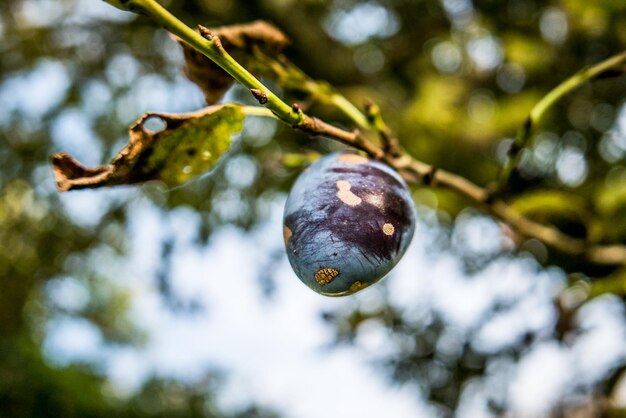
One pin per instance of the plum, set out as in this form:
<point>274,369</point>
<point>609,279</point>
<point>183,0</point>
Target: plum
<point>348,220</point>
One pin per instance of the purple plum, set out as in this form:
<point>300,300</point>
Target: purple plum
<point>348,220</point>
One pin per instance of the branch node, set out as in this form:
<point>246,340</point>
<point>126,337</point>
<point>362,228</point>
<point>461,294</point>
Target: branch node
<point>491,194</point>
<point>429,177</point>
<point>392,147</point>
<point>308,125</point>
<point>205,32</point>
<point>260,95</point>
<point>370,109</point>
<point>295,107</point>
<point>218,44</point>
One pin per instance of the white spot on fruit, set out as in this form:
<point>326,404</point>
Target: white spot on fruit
<point>345,195</point>
<point>375,200</point>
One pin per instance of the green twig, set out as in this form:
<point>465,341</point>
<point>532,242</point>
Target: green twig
<point>391,144</point>
<point>296,79</point>
<point>348,109</point>
<point>541,108</point>
<point>258,111</point>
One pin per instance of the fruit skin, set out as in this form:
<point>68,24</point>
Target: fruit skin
<point>348,220</point>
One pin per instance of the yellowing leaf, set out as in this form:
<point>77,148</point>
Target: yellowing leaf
<point>189,145</point>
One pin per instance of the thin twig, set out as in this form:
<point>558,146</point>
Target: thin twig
<point>390,142</point>
<point>419,171</point>
<point>356,139</point>
<point>539,110</point>
<point>549,235</point>
<point>425,173</point>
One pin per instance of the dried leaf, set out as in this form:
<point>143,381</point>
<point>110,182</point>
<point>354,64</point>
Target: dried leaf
<point>189,145</point>
<point>257,33</point>
<point>205,74</point>
<point>236,38</point>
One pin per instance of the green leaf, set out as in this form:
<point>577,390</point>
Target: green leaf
<point>193,147</point>
<point>189,145</point>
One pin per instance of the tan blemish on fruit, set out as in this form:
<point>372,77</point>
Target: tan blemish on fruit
<point>358,285</point>
<point>388,229</point>
<point>325,275</point>
<point>352,159</point>
<point>345,195</point>
<point>287,233</point>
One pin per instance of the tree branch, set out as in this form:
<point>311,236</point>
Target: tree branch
<point>412,169</point>
<point>416,171</point>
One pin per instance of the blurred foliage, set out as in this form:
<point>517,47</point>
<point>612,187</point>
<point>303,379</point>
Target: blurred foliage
<point>31,388</point>
<point>453,79</point>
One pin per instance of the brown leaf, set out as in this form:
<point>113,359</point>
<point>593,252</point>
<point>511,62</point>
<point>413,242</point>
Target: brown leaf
<point>237,40</point>
<point>257,33</point>
<point>70,174</point>
<point>189,145</point>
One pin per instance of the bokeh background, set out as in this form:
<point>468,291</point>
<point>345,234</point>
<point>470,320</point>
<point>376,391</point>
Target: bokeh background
<point>155,302</point>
